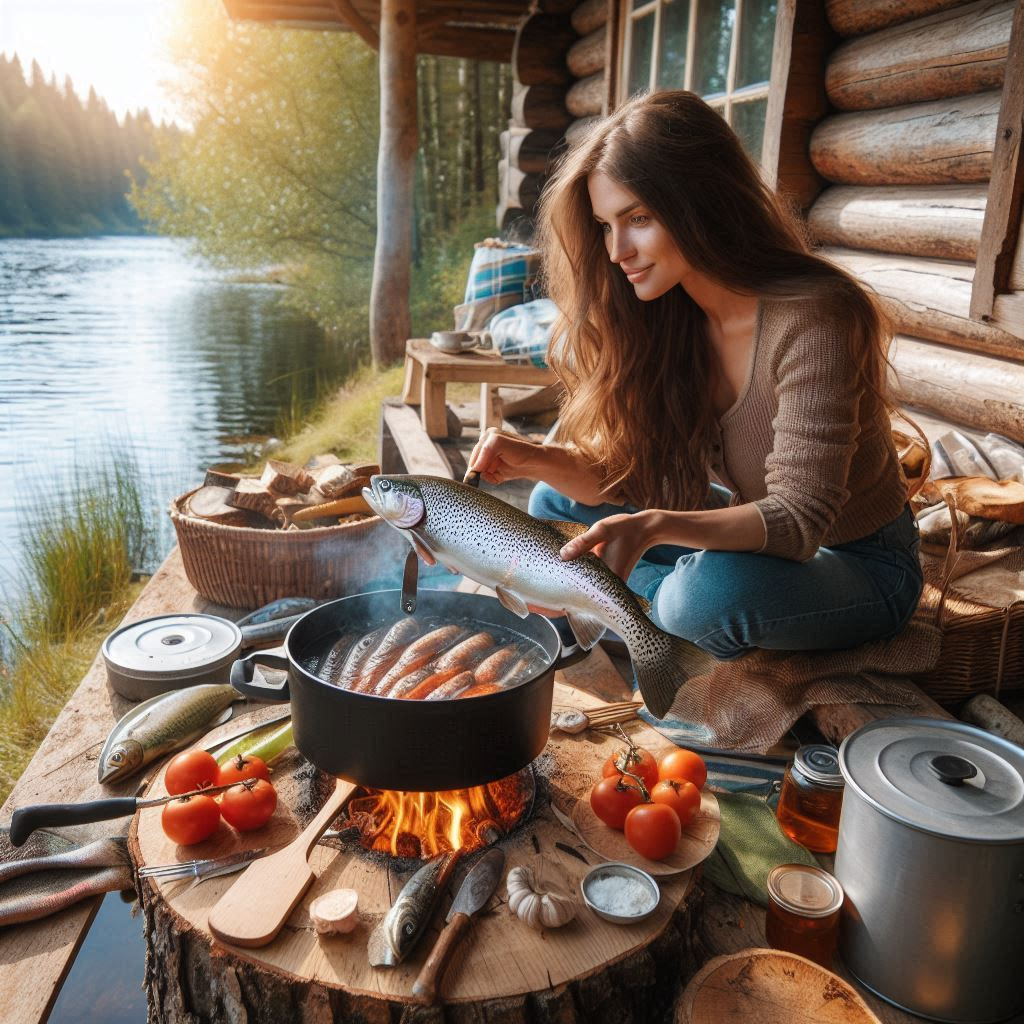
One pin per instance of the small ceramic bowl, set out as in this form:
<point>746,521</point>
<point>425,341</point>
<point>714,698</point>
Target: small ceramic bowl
<point>453,342</point>
<point>626,872</point>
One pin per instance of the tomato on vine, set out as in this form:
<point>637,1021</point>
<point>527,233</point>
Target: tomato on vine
<point>683,764</point>
<point>635,760</point>
<point>249,805</point>
<point>241,768</point>
<point>653,830</point>
<point>613,797</point>
<point>679,794</point>
<point>190,820</point>
<point>192,770</point>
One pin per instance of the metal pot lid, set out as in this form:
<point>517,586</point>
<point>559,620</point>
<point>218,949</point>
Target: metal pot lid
<point>938,776</point>
<point>180,645</point>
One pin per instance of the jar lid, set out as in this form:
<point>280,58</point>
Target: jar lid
<point>943,777</point>
<point>805,890</point>
<point>819,763</point>
<point>172,646</point>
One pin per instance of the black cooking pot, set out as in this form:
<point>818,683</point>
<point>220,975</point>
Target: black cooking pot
<point>409,745</point>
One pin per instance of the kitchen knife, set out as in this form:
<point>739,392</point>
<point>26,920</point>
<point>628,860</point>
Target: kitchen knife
<point>476,889</point>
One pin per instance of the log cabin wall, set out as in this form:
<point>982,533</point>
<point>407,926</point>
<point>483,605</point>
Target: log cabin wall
<point>906,158</point>
<point>560,67</point>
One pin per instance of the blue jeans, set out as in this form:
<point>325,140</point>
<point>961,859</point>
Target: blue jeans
<point>729,602</point>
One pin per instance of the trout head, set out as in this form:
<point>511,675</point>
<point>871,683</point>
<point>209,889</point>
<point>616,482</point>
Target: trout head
<point>397,500</point>
<point>124,759</point>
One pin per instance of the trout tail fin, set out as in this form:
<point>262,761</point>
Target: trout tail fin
<point>663,665</point>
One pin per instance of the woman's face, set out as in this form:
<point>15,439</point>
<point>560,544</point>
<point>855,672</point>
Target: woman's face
<point>637,243</point>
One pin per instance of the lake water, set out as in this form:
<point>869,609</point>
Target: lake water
<point>130,344</point>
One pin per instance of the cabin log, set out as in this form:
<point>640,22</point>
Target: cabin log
<point>944,142</point>
<point>520,188</point>
<point>928,298</point>
<point>538,57</point>
<point>528,150</point>
<point>540,106</point>
<point>580,127</point>
<point>586,97</point>
<point>857,17</point>
<point>1000,235</point>
<point>589,15</point>
<point>952,53</point>
<point>587,56</point>
<point>937,222</point>
<point>978,391</point>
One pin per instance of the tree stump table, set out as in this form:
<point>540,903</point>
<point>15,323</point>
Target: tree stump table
<point>502,971</point>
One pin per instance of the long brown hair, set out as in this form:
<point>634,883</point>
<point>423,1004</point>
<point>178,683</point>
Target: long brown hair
<point>637,374</point>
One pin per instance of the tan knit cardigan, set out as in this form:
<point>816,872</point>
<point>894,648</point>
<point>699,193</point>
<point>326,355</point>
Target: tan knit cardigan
<point>804,442</point>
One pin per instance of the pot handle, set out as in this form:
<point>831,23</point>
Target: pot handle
<point>243,675</point>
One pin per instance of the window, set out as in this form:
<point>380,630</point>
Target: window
<point>720,49</point>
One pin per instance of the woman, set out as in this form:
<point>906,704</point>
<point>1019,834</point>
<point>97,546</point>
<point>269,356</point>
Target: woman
<point>729,443</point>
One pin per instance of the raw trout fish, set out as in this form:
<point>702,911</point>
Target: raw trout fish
<point>494,543</point>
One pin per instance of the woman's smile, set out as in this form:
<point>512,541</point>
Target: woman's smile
<point>636,241</point>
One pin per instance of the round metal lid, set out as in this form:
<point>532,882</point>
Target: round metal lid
<point>942,777</point>
<point>819,763</point>
<point>172,645</point>
<point>805,890</point>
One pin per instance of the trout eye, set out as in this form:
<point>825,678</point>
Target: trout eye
<point>385,485</point>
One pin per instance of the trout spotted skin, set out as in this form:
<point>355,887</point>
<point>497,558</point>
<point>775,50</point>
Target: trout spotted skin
<point>471,532</point>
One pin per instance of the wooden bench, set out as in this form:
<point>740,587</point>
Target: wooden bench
<point>429,371</point>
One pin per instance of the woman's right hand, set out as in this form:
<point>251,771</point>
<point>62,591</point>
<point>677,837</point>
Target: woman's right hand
<point>500,457</point>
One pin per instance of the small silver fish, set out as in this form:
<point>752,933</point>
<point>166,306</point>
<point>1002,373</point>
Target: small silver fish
<point>161,724</point>
<point>386,653</point>
<point>494,543</point>
<point>35,887</point>
<point>281,608</point>
<point>393,939</point>
<point>356,658</point>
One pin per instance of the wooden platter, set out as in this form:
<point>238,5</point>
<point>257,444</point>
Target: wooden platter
<point>502,957</point>
<point>770,987</point>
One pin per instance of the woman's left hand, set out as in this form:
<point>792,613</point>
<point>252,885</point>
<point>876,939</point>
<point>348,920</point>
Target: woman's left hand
<point>618,540</point>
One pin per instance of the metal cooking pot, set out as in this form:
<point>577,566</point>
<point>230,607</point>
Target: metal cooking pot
<point>931,857</point>
<point>408,745</point>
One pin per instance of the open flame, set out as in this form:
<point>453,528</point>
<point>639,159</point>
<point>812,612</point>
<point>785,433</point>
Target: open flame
<point>421,825</point>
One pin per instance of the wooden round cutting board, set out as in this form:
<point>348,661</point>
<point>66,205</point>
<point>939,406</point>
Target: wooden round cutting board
<point>501,958</point>
<point>766,986</point>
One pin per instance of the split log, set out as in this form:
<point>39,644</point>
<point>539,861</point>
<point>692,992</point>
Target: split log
<point>979,391</point>
<point>542,43</point>
<point>939,143</point>
<point>579,128</point>
<point>540,106</point>
<point>587,55</point>
<point>586,97</point>
<point>856,17</point>
<point>214,505</point>
<point>254,495</point>
<point>940,222</point>
<point>528,150</point>
<point>589,15</point>
<point>284,478</point>
<point>952,53</point>
<point>928,299</point>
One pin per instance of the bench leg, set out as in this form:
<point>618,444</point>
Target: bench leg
<point>490,407</point>
<point>432,409</point>
<point>413,381</point>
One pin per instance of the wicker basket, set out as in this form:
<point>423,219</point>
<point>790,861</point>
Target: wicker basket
<point>981,617</point>
<point>244,567</point>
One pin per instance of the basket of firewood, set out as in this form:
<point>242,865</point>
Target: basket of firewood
<point>291,532</point>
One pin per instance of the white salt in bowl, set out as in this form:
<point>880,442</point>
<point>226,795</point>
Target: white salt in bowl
<point>620,893</point>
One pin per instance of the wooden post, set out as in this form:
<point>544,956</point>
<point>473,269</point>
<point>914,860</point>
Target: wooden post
<point>390,322</point>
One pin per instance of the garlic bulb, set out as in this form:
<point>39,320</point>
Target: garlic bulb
<point>538,907</point>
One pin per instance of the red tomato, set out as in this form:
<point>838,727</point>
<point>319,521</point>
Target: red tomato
<point>613,798</point>
<point>190,820</point>
<point>679,794</point>
<point>240,768</point>
<point>683,764</point>
<point>639,761</point>
<point>653,830</point>
<point>192,770</point>
<point>249,806</point>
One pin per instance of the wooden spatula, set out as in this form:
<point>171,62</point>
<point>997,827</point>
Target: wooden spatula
<point>255,908</point>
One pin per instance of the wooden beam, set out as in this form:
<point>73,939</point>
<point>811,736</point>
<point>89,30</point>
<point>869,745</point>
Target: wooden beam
<point>472,43</point>
<point>349,14</point>
<point>1000,233</point>
<point>857,17</point>
<point>390,320</point>
<point>611,57</point>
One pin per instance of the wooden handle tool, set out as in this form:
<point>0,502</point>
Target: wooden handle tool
<point>341,507</point>
<point>255,908</point>
<point>424,990</point>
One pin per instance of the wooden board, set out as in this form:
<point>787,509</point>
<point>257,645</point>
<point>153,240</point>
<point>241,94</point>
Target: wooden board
<point>770,987</point>
<point>505,958</point>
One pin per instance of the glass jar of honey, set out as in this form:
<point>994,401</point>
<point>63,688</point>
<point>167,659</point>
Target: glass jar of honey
<point>812,798</point>
<point>803,912</point>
